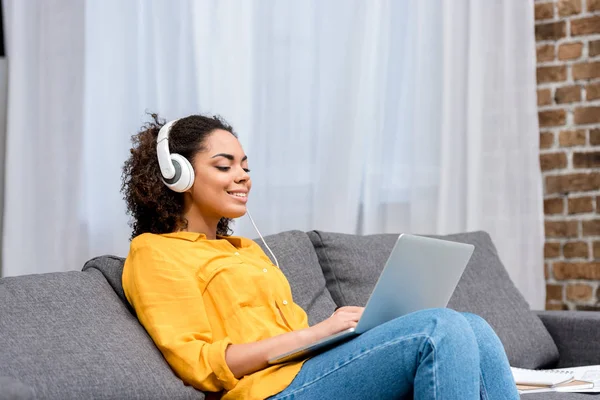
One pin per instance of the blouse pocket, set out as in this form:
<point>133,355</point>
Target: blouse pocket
<point>232,284</point>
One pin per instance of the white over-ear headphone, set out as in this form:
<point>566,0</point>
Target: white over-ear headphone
<point>176,170</point>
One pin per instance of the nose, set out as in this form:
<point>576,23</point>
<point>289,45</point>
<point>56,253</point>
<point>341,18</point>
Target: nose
<point>242,177</point>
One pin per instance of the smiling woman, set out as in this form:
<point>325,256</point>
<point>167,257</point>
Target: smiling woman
<point>218,309</point>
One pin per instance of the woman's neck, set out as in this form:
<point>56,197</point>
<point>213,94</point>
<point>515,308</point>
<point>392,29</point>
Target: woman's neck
<point>196,222</point>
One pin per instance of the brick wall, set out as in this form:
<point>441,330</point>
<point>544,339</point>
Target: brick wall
<point>567,33</point>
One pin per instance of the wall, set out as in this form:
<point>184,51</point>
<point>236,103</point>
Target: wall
<point>568,75</point>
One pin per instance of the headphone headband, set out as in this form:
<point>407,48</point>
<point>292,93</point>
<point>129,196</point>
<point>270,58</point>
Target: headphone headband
<point>167,169</point>
<point>177,172</point>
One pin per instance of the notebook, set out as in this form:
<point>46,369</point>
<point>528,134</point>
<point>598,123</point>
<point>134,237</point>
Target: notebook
<point>580,379</point>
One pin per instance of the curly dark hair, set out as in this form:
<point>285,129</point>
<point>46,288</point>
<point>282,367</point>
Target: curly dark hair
<point>154,207</point>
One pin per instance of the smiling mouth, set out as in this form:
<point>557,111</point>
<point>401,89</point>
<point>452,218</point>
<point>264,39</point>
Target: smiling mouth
<point>240,195</point>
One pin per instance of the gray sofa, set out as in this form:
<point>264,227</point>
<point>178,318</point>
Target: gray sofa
<point>72,335</point>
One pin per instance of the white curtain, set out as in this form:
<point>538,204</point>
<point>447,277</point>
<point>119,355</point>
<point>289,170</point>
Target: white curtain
<point>358,117</point>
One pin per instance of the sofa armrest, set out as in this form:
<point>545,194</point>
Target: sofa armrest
<point>576,335</point>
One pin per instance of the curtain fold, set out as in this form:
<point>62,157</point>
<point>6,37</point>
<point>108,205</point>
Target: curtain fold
<point>44,42</point>
<point>357,117</point>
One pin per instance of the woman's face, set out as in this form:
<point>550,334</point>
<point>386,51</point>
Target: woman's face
<point>222,184</point>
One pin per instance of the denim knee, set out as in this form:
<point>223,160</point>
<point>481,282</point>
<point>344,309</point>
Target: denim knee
<point>477,322</point>
<point>450,325</point>
<point>485,334</point>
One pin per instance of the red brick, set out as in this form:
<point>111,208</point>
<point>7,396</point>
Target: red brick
<point>570,51</point>
<point>586,70</point>
<point>595,137</point>
<point>592,92</point>
<point>593,5</point>
<point>585,26</point>
<point>576,270</point>
<point>554,292</point>
<point>579,205</point>
<point>579,292</point>
<point>546,140</point>
<point>551,250</point>
<point>550,31</point>
<point>575,250</point>
<point>596,249</point>
<point>568,94</point>
<point>551,161</point>
<point>551,74</point>
<point>556,306</point>
<point>545,52</point>
<point>594,47</point>
<point>587,159</point>
<point>552,118</point>
<point>580,182</point>
<point>544,11</point>
<point>569,7</point>
<point>546,271</point>
<point>571,138</point>
<point>553,206</point>
<point>564,229</point>
<point>591,227</point>
<point>544,97</point>
<point>587,115</point>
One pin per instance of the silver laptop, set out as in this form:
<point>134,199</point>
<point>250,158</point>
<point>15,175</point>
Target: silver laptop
<point>420,273</point>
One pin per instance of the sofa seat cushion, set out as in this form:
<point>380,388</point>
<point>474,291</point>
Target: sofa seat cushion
<point>68,336</point>
<point>352,264</point>
<point>297,259</point>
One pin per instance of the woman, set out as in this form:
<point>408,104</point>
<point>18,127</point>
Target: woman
<point>218,309</point>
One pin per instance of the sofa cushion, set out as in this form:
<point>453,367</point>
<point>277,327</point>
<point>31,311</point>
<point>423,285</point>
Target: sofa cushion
<point>112,269</point>
<point>352,264</point>
<point>299,262</point>
<point>67,336</point>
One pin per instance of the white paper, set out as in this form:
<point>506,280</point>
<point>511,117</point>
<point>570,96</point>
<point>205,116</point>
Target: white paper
<point>540,377</point>
<point>590,373</point>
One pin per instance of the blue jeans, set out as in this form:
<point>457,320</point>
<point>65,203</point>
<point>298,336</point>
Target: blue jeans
<point>431,354</point>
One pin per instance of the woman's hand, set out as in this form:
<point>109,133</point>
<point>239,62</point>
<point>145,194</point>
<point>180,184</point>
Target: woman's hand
<point>342,319</point>
<point>244,359</point>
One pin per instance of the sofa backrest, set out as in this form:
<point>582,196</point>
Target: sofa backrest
<point>352,264</point>
<point>67,336</point>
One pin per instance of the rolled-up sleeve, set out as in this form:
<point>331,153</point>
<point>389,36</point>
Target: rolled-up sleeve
<point>169,304</point>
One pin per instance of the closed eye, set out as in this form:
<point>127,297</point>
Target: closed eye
<point>228,168</point>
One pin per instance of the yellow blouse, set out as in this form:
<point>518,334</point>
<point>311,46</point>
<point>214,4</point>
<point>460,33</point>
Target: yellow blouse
<point>196,296</point>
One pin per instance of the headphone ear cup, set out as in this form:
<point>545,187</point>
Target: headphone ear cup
<point>184,174</point>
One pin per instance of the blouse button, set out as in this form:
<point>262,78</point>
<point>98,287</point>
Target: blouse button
<point>285,302</point>
<point>264,270</point>
<point>236,253</point>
